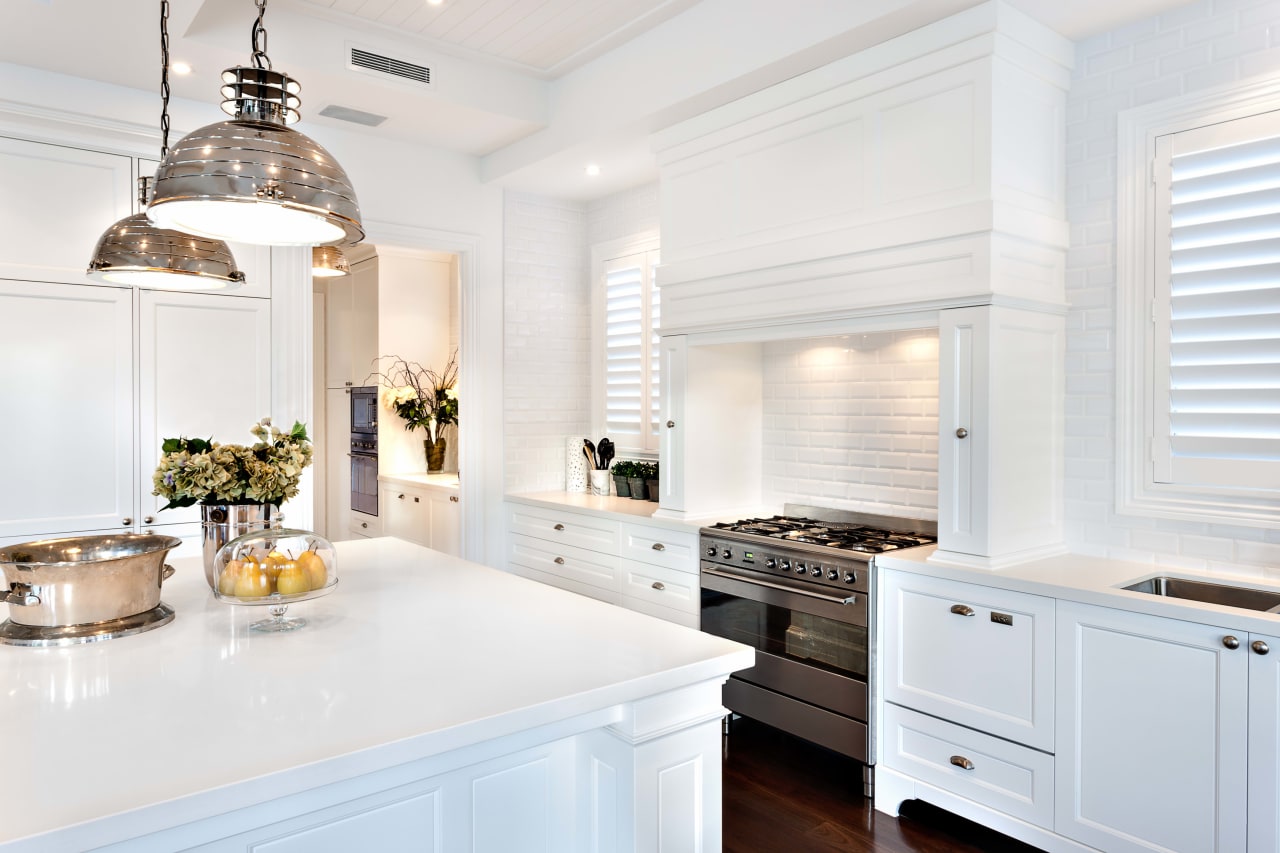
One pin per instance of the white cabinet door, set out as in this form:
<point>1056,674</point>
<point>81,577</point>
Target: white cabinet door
<point>446,521</point>
<point>671,426</point>
<point>1000,442</point>
<point>977,656</point>
<point>66,379</point>
<point>58,201</point>
<point>337,461</point>
<point>1264,744</point>
<point>1152,732</point>
<point>405,514</point>
<point>363,346</point>
<point>204,370</point>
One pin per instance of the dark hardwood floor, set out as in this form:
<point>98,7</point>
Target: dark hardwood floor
<point>785,794</point>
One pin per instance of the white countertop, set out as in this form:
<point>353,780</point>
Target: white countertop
<point>446,480</point>
<point>1097,580</point>
<point>624,509</point>
<point>414,653</point>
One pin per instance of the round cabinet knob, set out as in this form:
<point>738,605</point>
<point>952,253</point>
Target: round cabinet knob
<point>671,424</point>
<point>126,522</point>
<point>1230,642</point>
<point>149,520</point>
<point>1259,647</point>
<point>364,524</point>
<point>417,500</point>
<point>962,433</point>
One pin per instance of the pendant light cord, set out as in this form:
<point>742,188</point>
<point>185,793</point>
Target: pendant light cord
<point>164,78</point>
<point>259,38</point>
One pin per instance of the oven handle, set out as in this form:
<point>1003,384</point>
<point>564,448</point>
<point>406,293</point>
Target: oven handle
<point>830,599</point>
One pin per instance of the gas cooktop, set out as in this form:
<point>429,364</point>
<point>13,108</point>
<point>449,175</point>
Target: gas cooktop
<point>832,534</point>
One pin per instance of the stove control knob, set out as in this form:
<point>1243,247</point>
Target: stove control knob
<point>771,563</point>
<point>712,550</point>
<point>850,577</point>
<point>785,565</point>
<point>727,554</point>
<point>833,575</point>
<point>816,571</point>
<point>800,568</point>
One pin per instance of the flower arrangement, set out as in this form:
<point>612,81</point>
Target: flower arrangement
<point>196,469</point>
<point>424,398</point>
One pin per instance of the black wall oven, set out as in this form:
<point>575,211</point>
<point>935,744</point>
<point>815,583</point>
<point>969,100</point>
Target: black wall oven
<point>364,450</point>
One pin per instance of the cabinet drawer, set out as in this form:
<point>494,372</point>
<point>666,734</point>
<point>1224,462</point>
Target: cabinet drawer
<point>669,614</point>
<point>975,655</point>
<point>599,593</point>
<point>662,586</point>
<point>565,528</point>
<point>1010,778</point>
<point>565,561</point>
<point>364,524</point>
<point>660,546</point>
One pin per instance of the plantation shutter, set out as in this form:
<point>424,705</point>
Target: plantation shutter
<point>631,347</point>
<point>1216,310</point>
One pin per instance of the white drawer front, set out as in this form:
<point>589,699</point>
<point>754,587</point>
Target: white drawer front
<point>1010,778</point>
<point>664,587</point>
<point>579,564</point>
<point>564,528</point>
<point>599,593</point>
<point>670,614</point>
<point>364,524</point>
<point>660,546</point>
<point>975,655</point>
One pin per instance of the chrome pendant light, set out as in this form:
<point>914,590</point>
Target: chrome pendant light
<point>135,252</point>
<point>329,262</point>
<point>253,179</point>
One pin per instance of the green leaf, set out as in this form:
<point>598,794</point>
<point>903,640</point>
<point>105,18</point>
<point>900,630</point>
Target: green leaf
<point>171,445</point>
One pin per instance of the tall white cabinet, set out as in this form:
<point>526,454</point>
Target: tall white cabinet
<point>95,376</point>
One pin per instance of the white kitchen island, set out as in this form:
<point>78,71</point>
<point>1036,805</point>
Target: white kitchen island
<point>431,704</point>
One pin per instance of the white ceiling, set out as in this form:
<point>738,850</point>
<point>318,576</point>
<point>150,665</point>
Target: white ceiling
<point>505,73</point>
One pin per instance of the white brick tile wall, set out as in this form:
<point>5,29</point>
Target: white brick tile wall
<point>547,304</point>
<point>853,426</point>
<point>1193,47</point>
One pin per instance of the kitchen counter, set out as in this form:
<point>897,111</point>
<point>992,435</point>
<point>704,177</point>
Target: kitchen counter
<point>1096,580</point>
<point>418,670</point>
<point>446,480</point>
<point>608,507</point>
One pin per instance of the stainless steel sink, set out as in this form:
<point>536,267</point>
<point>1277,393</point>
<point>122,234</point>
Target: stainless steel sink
<point>1210,593</point>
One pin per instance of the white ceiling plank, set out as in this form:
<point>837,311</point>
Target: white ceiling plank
<point>398,10</point>
<point>486,12</point>
<point>543,24</point>
<point>561,39</point>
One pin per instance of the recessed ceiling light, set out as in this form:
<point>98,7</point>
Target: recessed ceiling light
<point>592,170</point>
<point>181,68</point>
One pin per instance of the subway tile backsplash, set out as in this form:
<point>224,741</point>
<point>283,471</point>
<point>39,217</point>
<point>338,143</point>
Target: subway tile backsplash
<point>852,422</point>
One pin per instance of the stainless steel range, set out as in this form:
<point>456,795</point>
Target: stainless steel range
<point>800,588</point>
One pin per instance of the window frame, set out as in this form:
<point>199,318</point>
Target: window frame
<point>601,254</point>
<point>1137,492</point>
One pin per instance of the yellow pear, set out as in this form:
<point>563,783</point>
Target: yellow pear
<point>292,579</point>
<point>230,575</point>
<point>313,563</point>
<point>253,582</point>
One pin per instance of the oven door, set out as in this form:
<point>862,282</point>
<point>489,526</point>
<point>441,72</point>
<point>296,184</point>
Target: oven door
<point>811,644</point>
<point>364,483</point>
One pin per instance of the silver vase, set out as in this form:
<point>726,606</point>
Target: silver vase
<point>220,523</point>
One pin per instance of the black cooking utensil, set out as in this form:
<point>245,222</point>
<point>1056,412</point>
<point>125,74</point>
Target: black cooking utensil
<point>605,451</point>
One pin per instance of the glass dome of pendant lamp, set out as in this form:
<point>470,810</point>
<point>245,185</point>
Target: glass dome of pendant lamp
<point>253,179</point>
<point>135,252</point>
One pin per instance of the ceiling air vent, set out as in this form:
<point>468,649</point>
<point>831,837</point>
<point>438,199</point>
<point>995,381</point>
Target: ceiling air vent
<point>370,61</point>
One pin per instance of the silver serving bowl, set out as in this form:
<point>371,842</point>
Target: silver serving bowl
<point>84,579</point>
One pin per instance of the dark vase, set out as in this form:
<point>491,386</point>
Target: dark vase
<point>435,454</point>
<point>637,488</point>
<point>652,486</point>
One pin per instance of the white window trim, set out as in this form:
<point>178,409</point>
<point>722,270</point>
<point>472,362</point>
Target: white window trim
<point>1136,491</point>
<point>647,241</point>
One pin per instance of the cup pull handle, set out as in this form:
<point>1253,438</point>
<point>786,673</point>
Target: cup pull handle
<point>658,546</point>
<point>559,561</point>
<point>962,762</point>
<point>659,586</point>
<point>962,610</point>
<point>558,527</point>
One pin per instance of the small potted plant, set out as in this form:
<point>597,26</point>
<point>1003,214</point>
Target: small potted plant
<point>621,471</point>
<point>651,480</point>
<point>635,480</point>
